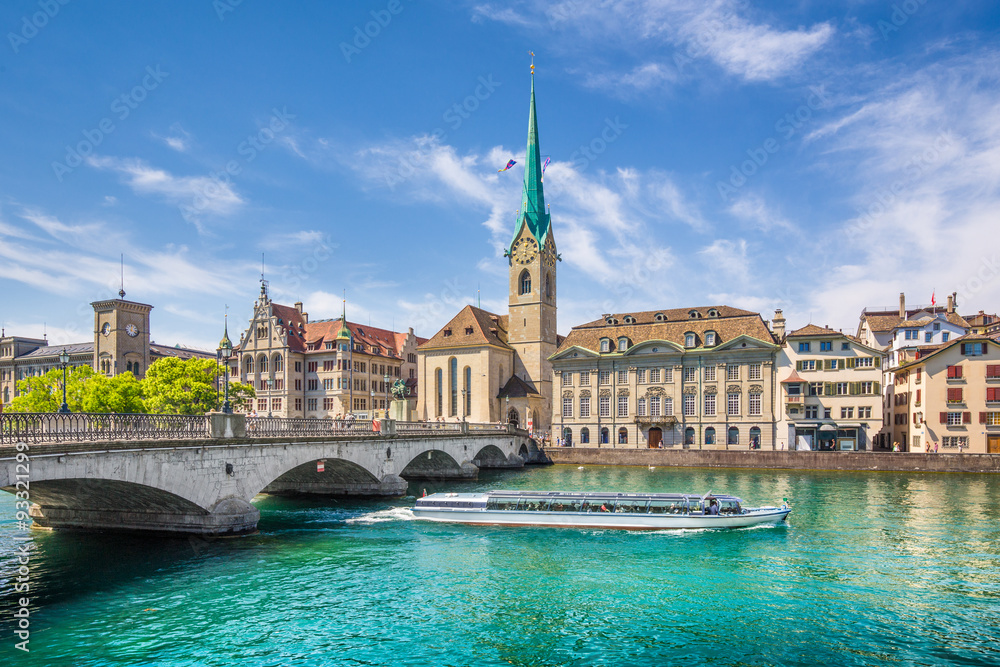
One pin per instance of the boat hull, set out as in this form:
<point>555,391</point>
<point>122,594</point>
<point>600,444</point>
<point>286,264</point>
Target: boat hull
<point>603,520</point>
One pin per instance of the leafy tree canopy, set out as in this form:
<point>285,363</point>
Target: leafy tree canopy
<point>43,393</point>
<point>121,393</point>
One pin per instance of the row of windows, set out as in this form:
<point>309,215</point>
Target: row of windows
<point>690,340</point>
<point>466,391</point>
<point>846,412</point>
<point>837,364</point>
<point>653,375</point>
<point>733,435</point>
<point>834,388</point>
<point>657,406</point>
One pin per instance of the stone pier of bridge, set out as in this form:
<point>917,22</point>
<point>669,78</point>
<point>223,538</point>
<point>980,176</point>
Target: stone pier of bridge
<point>205,486</point>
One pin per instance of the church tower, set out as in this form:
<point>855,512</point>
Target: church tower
<point>532,260</point>
<point>121,336</point>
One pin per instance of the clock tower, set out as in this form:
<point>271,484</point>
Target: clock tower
<point>532,265</point>
<point>121,336</point>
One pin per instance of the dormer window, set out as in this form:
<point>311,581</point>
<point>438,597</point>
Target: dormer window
<point>710,338</point>
<point>660,317</point>
<point>689,340</point>
<point>447,332</point>
<point>611,320</point>
<point>713,312</point>
<point>468,331</point>
<point>605,345</point>
<point>629,319</point>
<point>622,344</point>
<point>694,314</point>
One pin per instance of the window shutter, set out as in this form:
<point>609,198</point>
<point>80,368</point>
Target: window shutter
<point>951,371</point>
<point>829,389</point>
<point>854,389</point>
<point>963,348</point>
<point>992,394</point>
<point>798,365</point>
<point>829,364</point>
<point>982,417</point>
<point>878,388</point>
<point>944,417</point>
<point>914,417</point>
<point>878,362</point>
<point>966,417</point>
<point>958,371</point>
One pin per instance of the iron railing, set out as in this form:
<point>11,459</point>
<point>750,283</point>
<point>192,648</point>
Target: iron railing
<point>94,427</point>
<point>265,427</point>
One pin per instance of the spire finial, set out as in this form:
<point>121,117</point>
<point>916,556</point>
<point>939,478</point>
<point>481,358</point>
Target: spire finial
<point>121,291</point>
<point>532,54</point>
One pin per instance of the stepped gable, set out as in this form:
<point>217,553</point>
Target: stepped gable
<point>672,325</point>
<point>471,326</point>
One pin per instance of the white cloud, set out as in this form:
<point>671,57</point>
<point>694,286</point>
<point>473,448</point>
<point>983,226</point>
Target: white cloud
<point>199,193</point>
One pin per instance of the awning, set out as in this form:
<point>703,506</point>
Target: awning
<point>828,428</point>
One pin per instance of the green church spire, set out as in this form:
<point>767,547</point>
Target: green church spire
<point>533,211</point>
<point>344,333</point>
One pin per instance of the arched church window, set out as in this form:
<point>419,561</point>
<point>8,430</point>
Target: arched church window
<point>525,283</point>
<point>453,381</point>
<point>438,389</point>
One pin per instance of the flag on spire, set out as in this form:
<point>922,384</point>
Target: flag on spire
<point>544,165</point>
<point>510,163</point>
<point>933,300</point>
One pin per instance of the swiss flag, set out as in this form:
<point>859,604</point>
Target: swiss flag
<point>933,300</point>
<point>376,426</point>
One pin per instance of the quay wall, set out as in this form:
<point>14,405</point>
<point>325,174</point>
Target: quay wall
<point>790,460</point>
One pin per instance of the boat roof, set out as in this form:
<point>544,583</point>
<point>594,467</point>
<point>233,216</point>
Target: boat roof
<point>506,493</point>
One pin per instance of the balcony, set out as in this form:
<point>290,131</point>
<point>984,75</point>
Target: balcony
<point>794,400</point>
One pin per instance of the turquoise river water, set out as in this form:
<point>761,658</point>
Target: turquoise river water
<point>871,569</point>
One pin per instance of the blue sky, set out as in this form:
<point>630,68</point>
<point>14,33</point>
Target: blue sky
<point>812,156</point>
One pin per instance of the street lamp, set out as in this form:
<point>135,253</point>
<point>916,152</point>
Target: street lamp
<point>64,360</point>
<point>226,352</point>
<point>464,393</point>
<point>386,379</point>
<point>270,388</point>
<point>507,399</point>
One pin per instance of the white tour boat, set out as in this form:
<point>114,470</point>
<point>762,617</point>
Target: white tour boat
<point>628,511</point>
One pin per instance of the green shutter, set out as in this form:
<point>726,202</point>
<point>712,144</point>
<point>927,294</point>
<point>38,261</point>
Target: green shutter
<point>852,362</point>
<point>829,389</point>
<point>878,362</point>
<point>875,385</point>
<point>798,365</point>
<point>854,388</point>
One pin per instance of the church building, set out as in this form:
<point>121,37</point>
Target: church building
<point>486,367</point>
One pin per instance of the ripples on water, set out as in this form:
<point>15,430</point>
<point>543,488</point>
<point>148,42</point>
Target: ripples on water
<point>872,569</point>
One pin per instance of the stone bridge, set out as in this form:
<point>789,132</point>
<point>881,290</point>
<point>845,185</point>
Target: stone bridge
<point>114,474</point>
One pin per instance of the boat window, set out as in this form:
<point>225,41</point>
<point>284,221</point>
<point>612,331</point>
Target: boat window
<point>502,503</point>
<point>666,507</point>
<point>694,506</point>
<point>600,505</point>
<point>535,504</point>
<point>632,506</point>
<point>729,507</point>
<point>566,505</point>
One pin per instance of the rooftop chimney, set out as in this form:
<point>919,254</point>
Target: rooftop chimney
<point>298,306</point>
<point>951,303</point>
<point>778,324</point>
<point>902,306</point>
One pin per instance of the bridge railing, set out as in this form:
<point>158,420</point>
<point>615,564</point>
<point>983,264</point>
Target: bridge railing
<point>93,427</point>
<point>403,428</point>
<point>263,427</point>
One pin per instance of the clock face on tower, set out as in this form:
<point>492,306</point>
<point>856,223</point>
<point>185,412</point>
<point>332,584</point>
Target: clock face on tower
<point>106,329</point>
<point>132,330</point>
<point>524,251</point>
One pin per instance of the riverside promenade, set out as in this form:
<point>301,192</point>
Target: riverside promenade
<point>776,459</point>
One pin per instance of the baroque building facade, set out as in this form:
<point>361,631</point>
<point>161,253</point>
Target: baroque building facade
<point>320,369</point>
<point>686,377</point>
<point>485,366</point>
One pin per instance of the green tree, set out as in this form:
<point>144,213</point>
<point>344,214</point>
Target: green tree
<point>188,387</point>
<point>121,394</point>
<point>43,393</point>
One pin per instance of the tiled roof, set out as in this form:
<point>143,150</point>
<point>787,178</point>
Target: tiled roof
<point>517,388</point>
<point>793,378</point>
<point>883,321</point>
<point>471,326</point>
<point>302,334</point>
<point>156,351</point>
<point>54,350</point>
<point>731,323</point>
<point>814,330</point>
